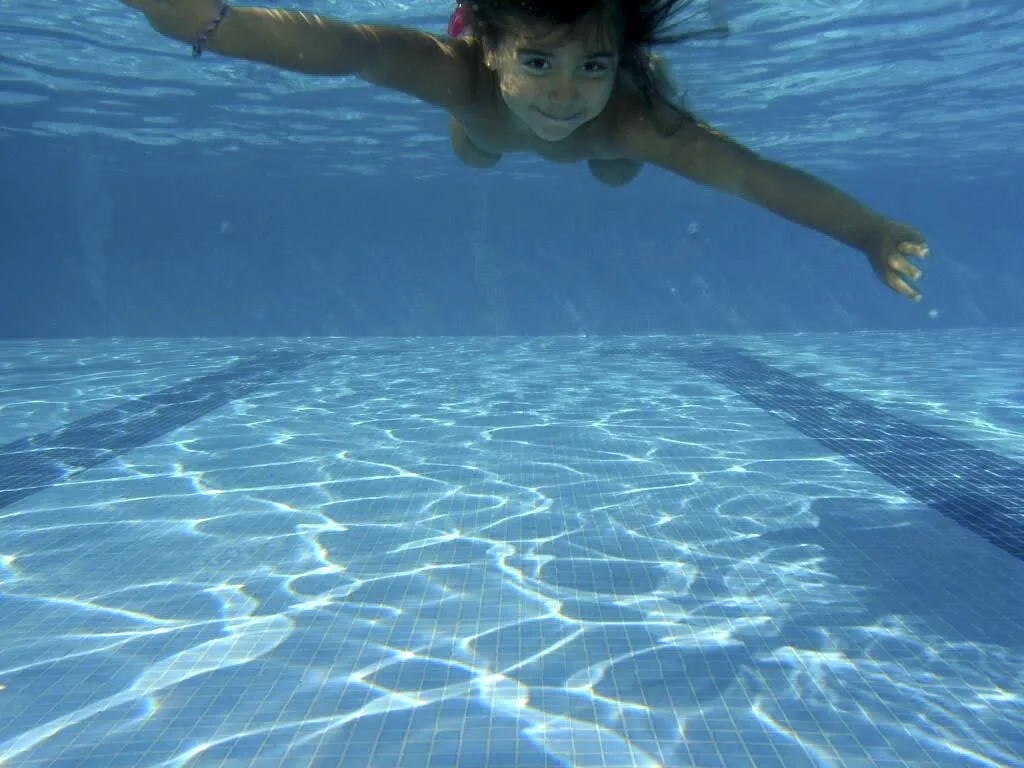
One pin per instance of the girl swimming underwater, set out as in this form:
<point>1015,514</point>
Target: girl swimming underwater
<point>568,80</point>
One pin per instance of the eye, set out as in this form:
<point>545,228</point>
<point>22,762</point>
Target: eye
<point>595,68</point>
<point>535,63</point>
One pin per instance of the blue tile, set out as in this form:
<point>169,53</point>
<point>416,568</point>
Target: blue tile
<point>979,489</point>
<point>31,464</point>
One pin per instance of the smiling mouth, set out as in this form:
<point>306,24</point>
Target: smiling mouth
<point>558,119</point>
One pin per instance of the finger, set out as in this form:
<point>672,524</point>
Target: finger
<point>919,250</point>
<point>894,282</point>
<point>905,268</point>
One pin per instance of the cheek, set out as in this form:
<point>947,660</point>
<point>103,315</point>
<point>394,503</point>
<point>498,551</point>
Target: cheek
<point>517,90</point>
<point>513,83</point>
<point>599,91</point>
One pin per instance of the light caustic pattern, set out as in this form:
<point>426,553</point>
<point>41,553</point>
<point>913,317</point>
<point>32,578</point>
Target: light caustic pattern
<point>844,85</point>
<point>509,554</point>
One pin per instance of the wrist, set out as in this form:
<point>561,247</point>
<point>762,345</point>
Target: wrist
<point>200,41</point>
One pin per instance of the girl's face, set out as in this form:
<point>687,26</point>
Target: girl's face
<point>555,80</point>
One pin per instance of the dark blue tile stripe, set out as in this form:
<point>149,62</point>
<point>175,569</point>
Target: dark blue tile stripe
<point>979,489</point>
<point>33,463</point>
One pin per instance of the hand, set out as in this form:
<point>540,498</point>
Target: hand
<point>178,19</point>
<point>889,254</point>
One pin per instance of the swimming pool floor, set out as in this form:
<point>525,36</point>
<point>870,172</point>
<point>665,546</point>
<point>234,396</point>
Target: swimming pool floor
<point>791,550</point>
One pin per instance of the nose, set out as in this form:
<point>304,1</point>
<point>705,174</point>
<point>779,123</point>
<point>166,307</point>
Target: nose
<point>563,90</point>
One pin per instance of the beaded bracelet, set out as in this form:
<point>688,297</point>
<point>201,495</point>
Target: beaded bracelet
<point>209,29</point>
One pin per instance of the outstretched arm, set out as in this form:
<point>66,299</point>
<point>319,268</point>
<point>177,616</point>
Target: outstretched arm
<point>700,153</point>
<point>433,69</point>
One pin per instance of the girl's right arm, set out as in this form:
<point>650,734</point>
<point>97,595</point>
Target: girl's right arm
<point>434,69</point>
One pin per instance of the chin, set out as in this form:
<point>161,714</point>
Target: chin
<point>553,133</point>
<point>552,137</point>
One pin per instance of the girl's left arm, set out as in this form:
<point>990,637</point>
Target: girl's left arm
<point>698,152</point>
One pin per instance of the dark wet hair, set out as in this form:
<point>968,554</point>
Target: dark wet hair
<point>640,25</point>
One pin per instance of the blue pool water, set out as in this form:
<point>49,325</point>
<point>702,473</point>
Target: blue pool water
<point>781,550</point>
<point>319,449</point>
